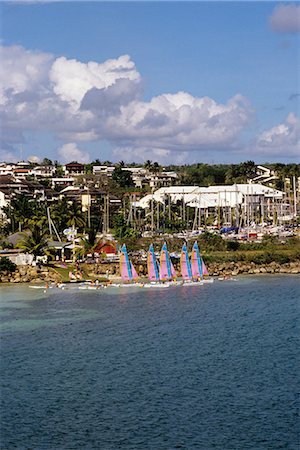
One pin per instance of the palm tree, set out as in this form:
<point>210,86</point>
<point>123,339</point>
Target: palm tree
<point>35,242</point>
<point>20,211</point>
<point>89,242</point>
<point>75,216</point>
<point>148,164</point>
<point>58,213</point>
<point>155,167</point>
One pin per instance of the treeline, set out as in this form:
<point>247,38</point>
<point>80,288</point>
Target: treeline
<point>211,174</point>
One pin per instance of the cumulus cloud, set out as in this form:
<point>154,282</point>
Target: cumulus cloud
<point>93,101</point>
<point>22,72</point>
<point>34,159</point>
<point>285,18</point>
<point>281,140</point>
<point>72,79</point>
<point>81,102</point>
<point>180,121</point>
<point>70,152</point>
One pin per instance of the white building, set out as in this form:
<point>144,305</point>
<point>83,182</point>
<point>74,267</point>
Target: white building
<point>212,196</point>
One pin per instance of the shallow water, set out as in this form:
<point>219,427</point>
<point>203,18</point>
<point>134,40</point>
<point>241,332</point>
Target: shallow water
<point>198,367</point>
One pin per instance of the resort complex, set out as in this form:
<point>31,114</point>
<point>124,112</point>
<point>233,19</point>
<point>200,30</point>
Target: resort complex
<point>85,213</point>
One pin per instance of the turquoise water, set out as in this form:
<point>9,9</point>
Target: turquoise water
<point>203,367</point>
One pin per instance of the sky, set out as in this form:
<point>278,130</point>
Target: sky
<point>173,82</point>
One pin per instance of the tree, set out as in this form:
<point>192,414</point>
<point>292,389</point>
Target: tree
<point>7,264</point>
<point>89,242</point>
<point>155,167</point>
<point>58,213</point>
<point>75,215</point>
<point>122,177</point>
<point>20,210</point>
<point>35,242</point>
<point>46,162</point>
<point>148,164</point>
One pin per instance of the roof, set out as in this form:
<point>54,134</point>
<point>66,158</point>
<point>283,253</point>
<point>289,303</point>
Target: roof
<point>74,164</point>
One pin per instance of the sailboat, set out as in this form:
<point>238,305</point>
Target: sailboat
<point>186,268</point>
<point>185,265</point>
<point>198,266</point>
<point>128,272</point>
<point>167,271</point>
<point>153,270</point>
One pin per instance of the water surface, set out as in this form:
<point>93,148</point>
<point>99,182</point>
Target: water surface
<point>208,367</point>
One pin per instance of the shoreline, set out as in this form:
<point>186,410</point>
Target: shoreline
<point>46,274</point>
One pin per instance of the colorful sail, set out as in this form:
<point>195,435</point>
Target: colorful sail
<point>134,272</point>
<point>125,265</point>
<point>186,270</point>
<point>153,271</point>
<point>204,268</point>
<point>173,271</point>
<point>196,263</point>
<point>165,264</point>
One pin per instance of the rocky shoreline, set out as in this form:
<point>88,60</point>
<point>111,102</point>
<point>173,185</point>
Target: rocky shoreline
<point>44,274</point>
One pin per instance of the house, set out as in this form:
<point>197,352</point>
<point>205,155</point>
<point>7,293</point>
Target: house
<point>103,170</point>
<point>62,182</point>
<point>142,177</point>
<point>21,173</point>
<point>6,169</point>
<point>17,256</point>
<point>264,175</point>
<point>74,168</point>
<point>44,171</point>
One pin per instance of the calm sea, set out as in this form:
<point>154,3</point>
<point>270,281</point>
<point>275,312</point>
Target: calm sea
<point>208,367</point>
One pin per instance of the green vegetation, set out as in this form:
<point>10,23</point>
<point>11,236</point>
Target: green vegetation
<point>7,265</point>
<point>35,241</point>
<point>112,211</point>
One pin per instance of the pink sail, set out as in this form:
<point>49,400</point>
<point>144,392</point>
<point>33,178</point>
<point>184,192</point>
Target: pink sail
<point>153,270</point>
<point>134,272</point>
<point>125,273</point>
<point>164,273</point>
<point>185,264</point>
<point>173,271</point>
<point>196,262</point>
<point>204,268</point>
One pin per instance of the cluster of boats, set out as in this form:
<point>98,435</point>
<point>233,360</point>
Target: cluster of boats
<point>161,271</point>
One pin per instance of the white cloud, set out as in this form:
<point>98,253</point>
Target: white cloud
<point>72,79</point>
<point>281,140</point>
<point>22,71</point>
<point>285,18</point>
<point>179,122</point>
<point>70,152</point>
<point>34,159</point>
<point>91,101</point>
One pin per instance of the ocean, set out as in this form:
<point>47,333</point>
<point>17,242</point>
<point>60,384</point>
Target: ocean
<point>199,367</point>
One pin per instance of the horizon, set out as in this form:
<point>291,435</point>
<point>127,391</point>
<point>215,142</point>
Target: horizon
<point>174,82</point>
<point>142,163</point>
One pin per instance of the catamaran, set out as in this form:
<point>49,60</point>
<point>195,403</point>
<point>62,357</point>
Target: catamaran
<point>187,274</point>
<point>128,272</point>
<point>154,270</point>
<point>198,267</point>
<point>167,270</point>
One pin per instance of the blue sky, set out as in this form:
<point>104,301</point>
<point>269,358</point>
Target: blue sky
<point>202,82</point>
